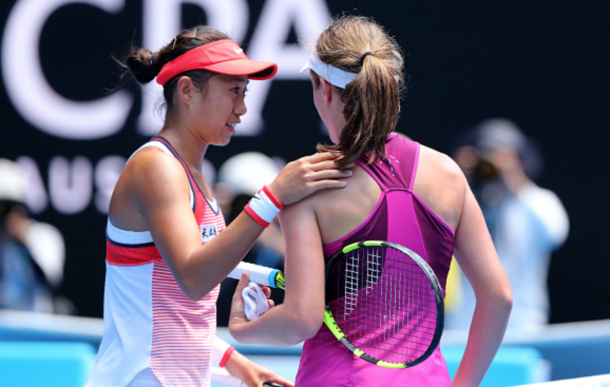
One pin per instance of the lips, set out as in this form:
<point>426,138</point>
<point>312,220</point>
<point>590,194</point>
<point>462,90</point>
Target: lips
<point>232,126</point>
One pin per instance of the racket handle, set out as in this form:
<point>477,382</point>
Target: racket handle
<point>260,274</point>
<point>222,376</point>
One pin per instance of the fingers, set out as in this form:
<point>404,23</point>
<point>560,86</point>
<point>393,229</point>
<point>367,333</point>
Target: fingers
<point>318,157</point>
<point>327,164</point>
<point>332,174</point>
<point>324,184</point>
<point>273,378</point>
<point>270,303</point>
<point>266,291</point>
<point>241,285</point>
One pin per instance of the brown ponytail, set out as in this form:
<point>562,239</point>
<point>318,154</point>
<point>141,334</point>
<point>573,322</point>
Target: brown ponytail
<point>372,100</point>
<point>144,65</point>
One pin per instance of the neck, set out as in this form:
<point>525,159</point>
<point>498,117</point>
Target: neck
<point>190,147</point>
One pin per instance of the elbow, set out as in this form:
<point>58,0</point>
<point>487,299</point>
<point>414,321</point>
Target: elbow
<point>498,300</point>
<point>307,325</point>
<point>508,301</point>
<point>192,289</point>
<point>503,300</point>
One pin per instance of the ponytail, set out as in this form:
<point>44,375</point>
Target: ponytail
<point>372,100</point>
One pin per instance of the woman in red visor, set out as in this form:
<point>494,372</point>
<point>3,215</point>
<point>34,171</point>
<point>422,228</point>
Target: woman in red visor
<point>167,245</point>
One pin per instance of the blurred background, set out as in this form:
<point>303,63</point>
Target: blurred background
<point>542,65</point>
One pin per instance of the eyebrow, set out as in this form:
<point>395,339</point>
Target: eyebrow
<point>233,78</point>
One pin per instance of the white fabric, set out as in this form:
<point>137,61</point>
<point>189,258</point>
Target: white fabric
<point>145,378</point>
<point>263,206</point>
<point>331,74</point>
<point>132,283</point>
<point>255,301</point>
<point>117,235</point>
<point>528,227</point>
<point>219,348</point>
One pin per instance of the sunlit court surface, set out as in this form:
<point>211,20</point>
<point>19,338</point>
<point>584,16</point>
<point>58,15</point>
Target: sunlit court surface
<point>513,94</point>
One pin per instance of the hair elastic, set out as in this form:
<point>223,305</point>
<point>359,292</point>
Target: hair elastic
<point>364,56</point>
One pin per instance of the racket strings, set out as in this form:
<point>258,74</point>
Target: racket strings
<point>389,306</point>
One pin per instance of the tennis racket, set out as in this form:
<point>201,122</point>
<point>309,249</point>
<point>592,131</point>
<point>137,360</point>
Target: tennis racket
<point>223,377</point>
<point>384,303</point>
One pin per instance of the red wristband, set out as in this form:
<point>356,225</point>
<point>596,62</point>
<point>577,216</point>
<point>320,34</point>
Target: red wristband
<point>255,216</point>
<point>273,198</point>
<point>263,207</point>
<point>225,357</point>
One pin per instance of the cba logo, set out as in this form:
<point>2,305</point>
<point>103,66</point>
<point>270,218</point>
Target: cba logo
<point>45,109</point>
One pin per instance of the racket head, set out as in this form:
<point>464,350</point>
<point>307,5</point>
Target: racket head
<point>384,303</point>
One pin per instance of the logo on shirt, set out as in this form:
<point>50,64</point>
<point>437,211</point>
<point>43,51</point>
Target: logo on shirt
<point>207,232</point>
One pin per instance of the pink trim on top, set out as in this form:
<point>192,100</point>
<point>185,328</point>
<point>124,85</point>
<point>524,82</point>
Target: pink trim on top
<point>431,211</point>
<point>373,175</point>
<point>415,165</point>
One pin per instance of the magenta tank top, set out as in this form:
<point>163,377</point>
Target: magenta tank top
<point>399,216</point>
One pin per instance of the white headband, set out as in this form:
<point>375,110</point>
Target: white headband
<point>331,74</point>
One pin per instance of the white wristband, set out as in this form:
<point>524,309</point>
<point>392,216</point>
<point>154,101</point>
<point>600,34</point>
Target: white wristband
<point>263,207</point>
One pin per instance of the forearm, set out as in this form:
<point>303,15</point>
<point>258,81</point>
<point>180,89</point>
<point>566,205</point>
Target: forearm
<point>207,265</point>
<point>277,327</point>
<point>486,333</point>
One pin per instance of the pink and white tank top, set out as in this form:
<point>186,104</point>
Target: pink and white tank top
<point>150,326</point>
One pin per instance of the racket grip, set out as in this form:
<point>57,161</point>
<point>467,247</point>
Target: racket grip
<point>260,274</point>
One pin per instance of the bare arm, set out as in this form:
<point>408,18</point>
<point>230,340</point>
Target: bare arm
<point>159,190</point>
<point>300,316</point>
<point>478,259</point>
<point>251,373</point>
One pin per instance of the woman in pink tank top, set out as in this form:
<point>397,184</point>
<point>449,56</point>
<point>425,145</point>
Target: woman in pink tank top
<point>401,192</point>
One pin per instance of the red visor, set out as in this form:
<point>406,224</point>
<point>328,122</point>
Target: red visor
<point>223,57</point>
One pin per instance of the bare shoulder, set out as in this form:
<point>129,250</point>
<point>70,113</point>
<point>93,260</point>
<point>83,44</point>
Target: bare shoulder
<point>441,165</point>
<point>441,184</point>
<point>151,168</point>
<point>151,177</point>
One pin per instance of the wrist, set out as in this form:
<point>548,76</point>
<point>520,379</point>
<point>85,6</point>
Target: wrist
<point>234,363</point>
<point>227,355</point>
<point>263,207</point>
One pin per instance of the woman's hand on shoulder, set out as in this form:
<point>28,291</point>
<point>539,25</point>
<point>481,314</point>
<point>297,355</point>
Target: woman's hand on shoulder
<point>302,177</point>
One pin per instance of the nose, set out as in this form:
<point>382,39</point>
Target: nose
<point>240,107</point>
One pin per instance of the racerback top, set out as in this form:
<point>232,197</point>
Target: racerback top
<point>402,217</point>
<point>150,325</point>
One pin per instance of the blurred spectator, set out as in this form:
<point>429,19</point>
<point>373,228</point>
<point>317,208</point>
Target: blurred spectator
<point>239,178</point>
<point>32,254</point>
<point>526,222</point>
